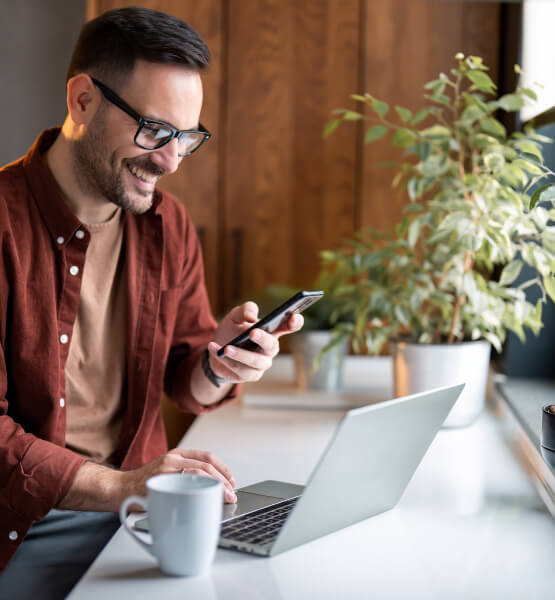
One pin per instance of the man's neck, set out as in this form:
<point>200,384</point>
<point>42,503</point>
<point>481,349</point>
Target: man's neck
<point>87,208</point>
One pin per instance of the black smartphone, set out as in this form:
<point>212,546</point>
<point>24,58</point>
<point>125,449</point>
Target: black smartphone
<point>272,321</point>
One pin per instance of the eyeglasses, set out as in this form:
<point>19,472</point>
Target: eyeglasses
<point>153,134</point>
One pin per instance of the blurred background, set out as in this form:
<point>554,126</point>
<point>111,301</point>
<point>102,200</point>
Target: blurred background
<point>267,193</point>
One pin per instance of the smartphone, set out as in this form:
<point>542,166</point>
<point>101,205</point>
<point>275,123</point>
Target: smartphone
<point>272,321</point>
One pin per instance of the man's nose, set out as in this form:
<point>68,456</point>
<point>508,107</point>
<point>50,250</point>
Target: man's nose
<point>167,157</point>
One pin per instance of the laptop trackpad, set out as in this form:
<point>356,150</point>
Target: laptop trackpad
<point>247,502</point>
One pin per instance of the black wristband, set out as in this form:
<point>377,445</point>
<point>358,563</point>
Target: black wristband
<point>207,370</point>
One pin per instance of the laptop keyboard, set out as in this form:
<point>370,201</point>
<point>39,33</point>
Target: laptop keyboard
<point>259,527</point>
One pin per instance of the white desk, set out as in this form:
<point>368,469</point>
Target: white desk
<point>470,524</point>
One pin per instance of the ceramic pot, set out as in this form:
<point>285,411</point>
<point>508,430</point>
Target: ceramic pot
<point>419,367</point>
<point>305,347</point>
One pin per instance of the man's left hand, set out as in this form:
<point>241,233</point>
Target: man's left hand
<point>238,364</point>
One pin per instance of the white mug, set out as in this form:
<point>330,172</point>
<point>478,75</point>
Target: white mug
<point>184,516</point>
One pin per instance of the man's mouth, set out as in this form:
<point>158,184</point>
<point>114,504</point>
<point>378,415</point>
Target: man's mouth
<point>142,174</point>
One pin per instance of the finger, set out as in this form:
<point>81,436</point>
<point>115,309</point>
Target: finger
<point>294,323</point>
<point>244,365</point>
<point>203,469</point>
<point>268,342</point>
<point>207,457</point>
<point>248,311</point>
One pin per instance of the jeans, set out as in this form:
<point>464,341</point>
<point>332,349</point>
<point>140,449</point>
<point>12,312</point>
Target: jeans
<point>55,554</point>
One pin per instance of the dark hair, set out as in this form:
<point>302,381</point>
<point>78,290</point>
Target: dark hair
<point>109,45</point>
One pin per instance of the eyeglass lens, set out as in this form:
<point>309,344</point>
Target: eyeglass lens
<point>153,135</point>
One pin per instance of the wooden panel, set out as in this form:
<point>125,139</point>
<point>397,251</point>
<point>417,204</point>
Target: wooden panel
<point>287,193</point>
<point>407,43</point>
<point>196,181</point>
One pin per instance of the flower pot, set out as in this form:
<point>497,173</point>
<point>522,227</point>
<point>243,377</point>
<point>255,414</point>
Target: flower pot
<point>305,347</point>
<point>419,367</point>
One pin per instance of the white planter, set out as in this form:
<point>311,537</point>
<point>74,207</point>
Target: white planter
<point>419,367</point>
<point>305,346</point>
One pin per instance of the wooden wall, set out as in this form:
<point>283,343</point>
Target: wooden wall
<point>267,192</point>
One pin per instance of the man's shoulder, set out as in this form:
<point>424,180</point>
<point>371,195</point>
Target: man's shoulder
<point>13,185</point>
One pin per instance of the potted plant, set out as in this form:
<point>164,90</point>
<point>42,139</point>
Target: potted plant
<point>481,204</point>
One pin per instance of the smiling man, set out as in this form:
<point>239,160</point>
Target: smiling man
<point>103,305</point>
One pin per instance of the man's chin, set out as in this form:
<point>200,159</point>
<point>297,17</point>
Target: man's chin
<point>136,204</point>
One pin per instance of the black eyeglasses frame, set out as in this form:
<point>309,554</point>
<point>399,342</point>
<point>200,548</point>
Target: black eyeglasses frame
<point>112,97</point>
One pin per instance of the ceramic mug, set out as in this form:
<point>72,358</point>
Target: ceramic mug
<point>184,516</point>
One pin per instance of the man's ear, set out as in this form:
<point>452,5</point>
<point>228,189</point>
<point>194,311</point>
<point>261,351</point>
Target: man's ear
<point>83,99</point>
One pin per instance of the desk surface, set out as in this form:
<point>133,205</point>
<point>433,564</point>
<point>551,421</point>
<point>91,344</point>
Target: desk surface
<point>470,524</point>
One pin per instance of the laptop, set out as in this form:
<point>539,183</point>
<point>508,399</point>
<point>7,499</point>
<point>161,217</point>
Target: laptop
<point>364,471</point>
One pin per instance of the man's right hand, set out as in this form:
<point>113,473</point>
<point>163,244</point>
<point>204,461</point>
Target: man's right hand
<point>100,488</point>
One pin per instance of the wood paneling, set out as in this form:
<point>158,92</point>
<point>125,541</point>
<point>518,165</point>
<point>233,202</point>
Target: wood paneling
<point>407,43</point>
<point>287,193</point>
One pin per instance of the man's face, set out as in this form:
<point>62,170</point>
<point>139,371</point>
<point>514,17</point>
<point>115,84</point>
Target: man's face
<point>109,164</point>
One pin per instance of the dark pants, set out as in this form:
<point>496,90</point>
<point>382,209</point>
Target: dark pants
<point>55,554</point>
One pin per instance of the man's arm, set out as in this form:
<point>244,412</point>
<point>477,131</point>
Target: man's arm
<point>100,488</point>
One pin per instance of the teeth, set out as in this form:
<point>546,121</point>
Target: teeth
<point>142,174</point>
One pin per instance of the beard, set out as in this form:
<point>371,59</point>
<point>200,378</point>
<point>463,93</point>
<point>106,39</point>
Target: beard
<point>98,173</point>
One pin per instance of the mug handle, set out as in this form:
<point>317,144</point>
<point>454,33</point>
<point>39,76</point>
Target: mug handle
<point>123,518</point>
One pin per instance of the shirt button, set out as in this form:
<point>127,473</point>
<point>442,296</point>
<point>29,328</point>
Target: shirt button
<point>79,234</point>
<point>13,535</point>
<point>62,402</point>
<point>74,270</point>
<point>64,339</point>
<point>60,239</point>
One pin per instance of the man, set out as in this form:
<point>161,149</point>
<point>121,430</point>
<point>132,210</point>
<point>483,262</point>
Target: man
<point>103,304</point>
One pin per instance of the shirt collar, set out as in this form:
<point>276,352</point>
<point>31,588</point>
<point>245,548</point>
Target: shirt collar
<point>59,219</point>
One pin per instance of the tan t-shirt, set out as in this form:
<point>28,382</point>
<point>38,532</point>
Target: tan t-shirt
<point>96,365</point>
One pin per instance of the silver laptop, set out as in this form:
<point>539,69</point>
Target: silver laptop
<point>363,472</point>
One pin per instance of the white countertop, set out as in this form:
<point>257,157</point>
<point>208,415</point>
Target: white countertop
<point>470,524</point>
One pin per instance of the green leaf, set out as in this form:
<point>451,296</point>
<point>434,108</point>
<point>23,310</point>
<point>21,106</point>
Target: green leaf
<point>403,138</point>
<point>529,148</point>
<point>494,341</point>
<point>413,207</point>
<point>527,165</point>
<point>375,133</point>
<point>404,113</point>
<point>529,92</point>
<point>470,289</point>
<point>431,85</point>
<point>402,226</point>
<point>549,283</point>
<point>481,80</point>
<point>436,131</point>
<point>331,126</point>
<point>419,116</point>
<point>494,161</point>
<point>351,115</point>
<point>471,113</point>
<point>510,272</point>
<point>412,188</point>
<point>358,98</point>
<point>414,232</point>
<point>510,102</point>
<point>546,193</point>
<point>493,127</point>
<point>401,314</point>
<point>381,108</point>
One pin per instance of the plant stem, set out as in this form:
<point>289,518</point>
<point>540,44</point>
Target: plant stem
<point>468,264</point>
